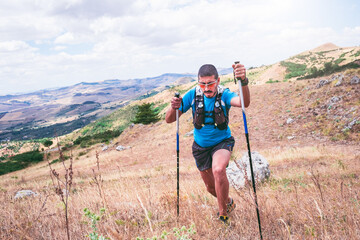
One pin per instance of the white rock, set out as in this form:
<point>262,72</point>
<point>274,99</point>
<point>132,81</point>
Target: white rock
<point>24,193</point>
<point>322,83</point>
<point>105,148</point>
<point>121,148</point>
<point>289,120</point>
<point>236,176</point>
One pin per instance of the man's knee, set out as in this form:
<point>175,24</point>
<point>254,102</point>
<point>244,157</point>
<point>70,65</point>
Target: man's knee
<point>219,172</point>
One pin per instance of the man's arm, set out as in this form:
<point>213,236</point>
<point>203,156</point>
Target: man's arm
<point>240,73</point>
<point>235,102</point>
<point>171,112</point>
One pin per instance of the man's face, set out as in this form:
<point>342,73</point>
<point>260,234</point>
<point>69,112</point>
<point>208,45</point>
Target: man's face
<point>209,85</point>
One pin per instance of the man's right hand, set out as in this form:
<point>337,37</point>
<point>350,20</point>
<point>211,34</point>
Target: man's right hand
<point>171,112</point>
<point>176,102</point>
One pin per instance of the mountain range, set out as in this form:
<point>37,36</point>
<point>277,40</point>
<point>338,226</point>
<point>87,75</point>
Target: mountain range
<point>33,115</point>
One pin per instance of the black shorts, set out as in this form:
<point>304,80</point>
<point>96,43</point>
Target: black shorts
<point>203,156</point>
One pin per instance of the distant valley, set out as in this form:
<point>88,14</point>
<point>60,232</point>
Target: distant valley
<point>46,113</point>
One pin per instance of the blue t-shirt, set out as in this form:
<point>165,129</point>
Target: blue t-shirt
<point>209,135</point>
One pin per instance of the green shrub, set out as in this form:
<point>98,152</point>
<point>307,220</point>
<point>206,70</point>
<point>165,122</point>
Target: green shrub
<point>82,154</point>
<point>329,68</point>
<point>272,81</point>
<point>103,137</point>
<point>47,143</point>
<point>357,54</point>
<point>20,161</point>
<point>54,161</point>
<point>339,60</point>
<point>94,218</point>
<point>146,114</point>
<point>293,69</point>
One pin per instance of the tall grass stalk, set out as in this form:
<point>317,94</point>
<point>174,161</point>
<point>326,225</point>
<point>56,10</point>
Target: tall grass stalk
<point>61,186</point>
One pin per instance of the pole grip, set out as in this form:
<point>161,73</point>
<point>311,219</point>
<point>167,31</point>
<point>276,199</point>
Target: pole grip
<point>240,91</point>
<point>177,95</point>
<point>236,62</point>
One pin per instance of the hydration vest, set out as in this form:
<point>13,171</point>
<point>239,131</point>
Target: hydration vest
<point>220,119</point>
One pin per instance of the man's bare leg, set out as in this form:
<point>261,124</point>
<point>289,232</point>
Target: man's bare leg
<point>221,159</point>
<point>208,178</point>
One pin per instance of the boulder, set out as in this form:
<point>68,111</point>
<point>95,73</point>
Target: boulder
<point>121,148</point>
<point>340,79</point>
<point>355,80</point>
<point>322,83</point>
<point>105,148</point>
<point>350,125</point>
<point>237,175</point>
<point>24,193</point>
<point>334,99</point>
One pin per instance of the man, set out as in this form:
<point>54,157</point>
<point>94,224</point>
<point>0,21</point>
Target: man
<point>213,142</point>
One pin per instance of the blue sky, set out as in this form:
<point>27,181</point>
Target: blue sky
<point>53,43</point>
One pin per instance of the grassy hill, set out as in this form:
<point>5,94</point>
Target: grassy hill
<point>336,59</point>
<point>308,130</point>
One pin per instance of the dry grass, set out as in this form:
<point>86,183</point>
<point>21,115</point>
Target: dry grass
<point>312,193</point>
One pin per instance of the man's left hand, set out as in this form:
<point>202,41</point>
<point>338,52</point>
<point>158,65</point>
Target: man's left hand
<point>239,71</point>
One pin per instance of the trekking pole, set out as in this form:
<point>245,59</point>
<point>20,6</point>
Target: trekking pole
<point>249,152</point>
<point>177,153</point>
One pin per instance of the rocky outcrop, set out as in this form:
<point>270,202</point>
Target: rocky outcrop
<point>239,171</point>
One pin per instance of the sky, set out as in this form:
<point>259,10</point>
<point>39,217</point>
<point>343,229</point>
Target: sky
<point>55,43</point>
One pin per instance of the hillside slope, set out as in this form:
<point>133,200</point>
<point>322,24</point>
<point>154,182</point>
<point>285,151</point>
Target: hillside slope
<point>317,57</point>
<point>299,126</point>
<point>308,130</point>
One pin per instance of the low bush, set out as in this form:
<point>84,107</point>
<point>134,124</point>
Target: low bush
<point>329,68</point>
<point>294,69</point>
<point>103,137</point>
<point>20,161</point>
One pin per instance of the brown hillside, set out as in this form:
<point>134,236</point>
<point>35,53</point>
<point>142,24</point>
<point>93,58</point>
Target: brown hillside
<point>314,169</point>
<point>308,130</point>
<point>325,47</point>
<point>316,57</point>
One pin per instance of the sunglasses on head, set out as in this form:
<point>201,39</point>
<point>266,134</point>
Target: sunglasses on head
<point>210,84</point>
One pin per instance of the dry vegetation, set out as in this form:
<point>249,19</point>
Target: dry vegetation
<point>313,191</point>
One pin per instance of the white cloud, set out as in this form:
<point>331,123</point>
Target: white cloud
<point>66,38</point>
<point>59,48</point>
<point>11,46</point>
<point>60,42</point>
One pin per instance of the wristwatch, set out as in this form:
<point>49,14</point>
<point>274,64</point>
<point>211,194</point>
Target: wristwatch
<point>244,82</point>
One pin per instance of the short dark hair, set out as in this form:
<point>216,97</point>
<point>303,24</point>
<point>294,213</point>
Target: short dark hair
<point>208,70</point>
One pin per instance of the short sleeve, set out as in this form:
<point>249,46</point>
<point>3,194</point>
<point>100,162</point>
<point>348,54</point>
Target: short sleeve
<point>228,95</point>
<point>187,101</point>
